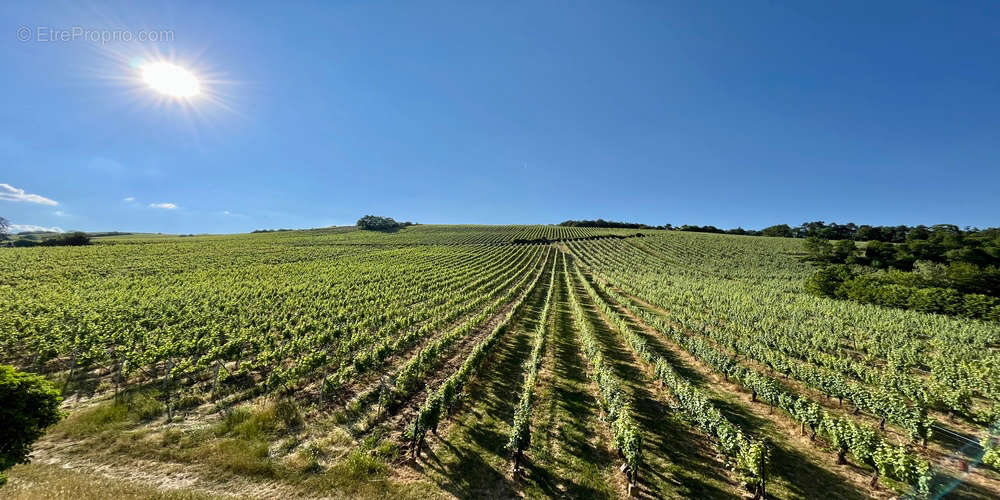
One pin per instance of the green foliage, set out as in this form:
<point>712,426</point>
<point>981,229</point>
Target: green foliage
<point>818,249</point>
<point>829,281</point>
<point>991,451</point>
<point>376,223</point>
<point>837,282</point>
<point>603,223</point>
<point>28,404</point>
<point>779,230</point>
<point>959,286</point>
<point>68,239</point>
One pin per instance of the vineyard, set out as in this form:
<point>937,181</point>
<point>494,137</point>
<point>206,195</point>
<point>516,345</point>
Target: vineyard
<point>497,361</point>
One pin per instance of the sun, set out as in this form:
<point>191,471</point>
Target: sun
<point>170,79</point>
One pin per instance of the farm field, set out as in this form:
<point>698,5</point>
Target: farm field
<point>486,361</point>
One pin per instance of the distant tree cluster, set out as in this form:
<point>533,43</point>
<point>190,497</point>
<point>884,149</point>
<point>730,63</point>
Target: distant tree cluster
<point>377,223</point>
<point>815,229</point>
<point>864,232</point>
<point>56,240</point>
<point>668,227</point>
<point>939,269</point>
<point>68,239</point>
<point>604,223</point>
<point>713,229</point>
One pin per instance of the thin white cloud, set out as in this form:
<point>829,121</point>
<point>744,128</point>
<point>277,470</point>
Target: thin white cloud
<point>165,206</point>
<point>128,199</point>
<point>31,228</point>
<point>60,213</point>
<point>11,193</point>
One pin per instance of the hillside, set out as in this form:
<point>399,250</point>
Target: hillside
<point>419,363</point>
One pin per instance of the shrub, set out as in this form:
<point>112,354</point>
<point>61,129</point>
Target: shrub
<point>28,404</point>
<point>827,281</point>
<point>936,300</point>
<point>894,295</point>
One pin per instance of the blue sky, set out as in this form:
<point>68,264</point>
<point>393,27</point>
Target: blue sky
<point>315,113</point>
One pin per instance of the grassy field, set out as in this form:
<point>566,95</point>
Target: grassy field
<point>345,363</point>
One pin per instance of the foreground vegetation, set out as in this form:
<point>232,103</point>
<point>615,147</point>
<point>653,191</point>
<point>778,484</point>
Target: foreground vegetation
<point>489,361</point>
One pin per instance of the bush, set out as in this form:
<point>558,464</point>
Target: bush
<point>827,281</point>
<point>897,296</point>
<point>28,404</point>
<point>936,300</point>
<point>864,289</point>
<point>979,306</point>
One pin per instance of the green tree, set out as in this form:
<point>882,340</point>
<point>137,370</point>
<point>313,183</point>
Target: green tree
<point>4,228</point>
<point>868,233</point>
<point>844,250</point>
<point>28,404</point>
<point>880,255</point>
<point>818,249</point>
<point>780,230</point>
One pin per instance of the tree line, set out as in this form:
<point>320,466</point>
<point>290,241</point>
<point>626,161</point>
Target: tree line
<point>815,229</point>
<point>606,223</point>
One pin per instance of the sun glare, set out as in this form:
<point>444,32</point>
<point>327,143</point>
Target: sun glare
<point>170,79</point>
